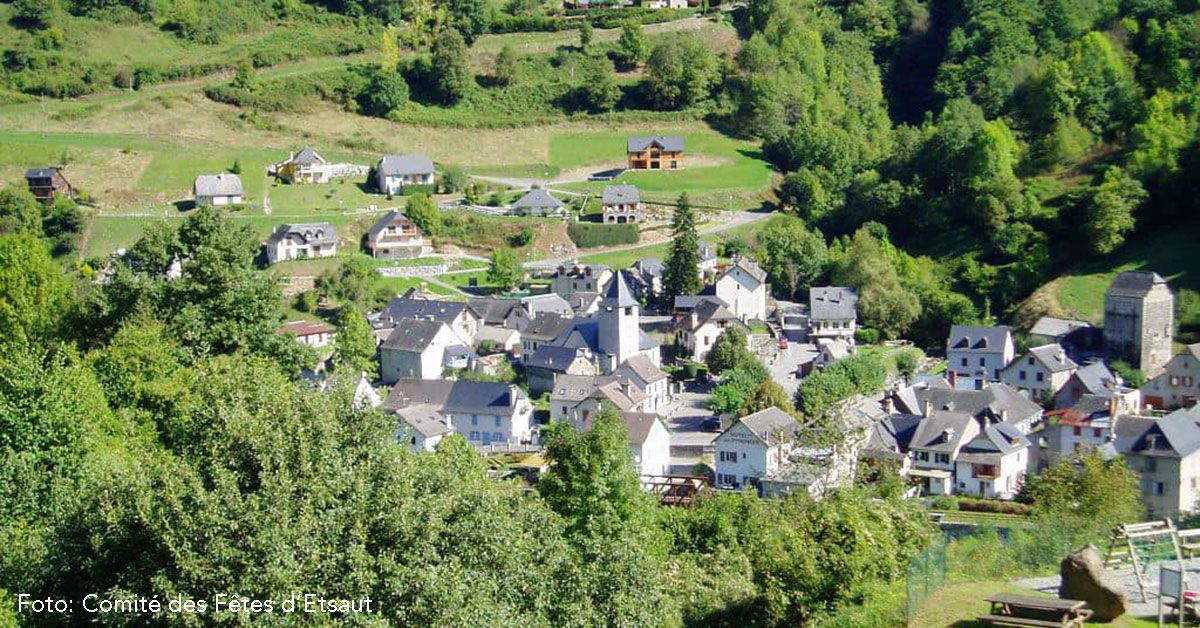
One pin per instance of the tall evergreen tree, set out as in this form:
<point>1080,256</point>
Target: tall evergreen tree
<point>681,274</point>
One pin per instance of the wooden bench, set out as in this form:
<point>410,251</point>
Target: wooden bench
<point>1007,620</point>
<point>1039,612</point>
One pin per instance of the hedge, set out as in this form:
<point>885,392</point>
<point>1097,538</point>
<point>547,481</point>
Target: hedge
<point>588,235</point>
<point>992,506</point>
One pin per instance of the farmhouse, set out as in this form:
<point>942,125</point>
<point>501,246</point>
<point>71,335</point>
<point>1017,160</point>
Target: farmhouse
<point>395,172</point>
<point>650,440</point>
<point>217,189</point>
<point>46,184</point>
<point>416,349</point>
<point>308,166</point>
<point>485,413</point>
<point>992,464</point>
<point>1179,385</point>
<point>1166,454</point>
<point>752,447</point>
<point>1042,371</point>
<point>697,330</point>
<point>660,152</point>
<point>976,355</point>
<point>312,333</point>
<point>394,236</point>
<point>832,314</point>
<point>537,202</point>
<point>302,240</point>
<point>622,204</point>
<point>743,287</point>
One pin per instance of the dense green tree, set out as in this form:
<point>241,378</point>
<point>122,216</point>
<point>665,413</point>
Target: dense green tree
<point>803,193</point>
<point>1104,85</point>
<point>632,47</point>
<point>735,387</point>
<point>793,256</point>
<point>354,281</point>
<point>504,271</point>
<point>680,72</point>
<point>452,76</point>
<point>907,363</point>
<point>586,34</point>
<point>858,374</point>
<point>354,345</point>
<point>19,210</point>
<point>1108,212</point>
<point>423,212</point>
<point>506,65</point>
<point>728,351</point>
<point>883,303</point>
<point>681,271</point>
<point>1086,494</point>
<point>471,18</point>
<point>769,394</point>
<point>386,92</point>
<point>598,91</point>
<point>33,294</point>
<point>1159,140</point>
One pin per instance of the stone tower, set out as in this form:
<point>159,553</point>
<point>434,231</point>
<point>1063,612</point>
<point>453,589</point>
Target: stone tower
<point>618,332</point>
<point>1139,319</point>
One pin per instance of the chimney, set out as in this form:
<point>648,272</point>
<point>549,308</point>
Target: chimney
<point>953,377</point>
<point>1112,408</point>
<point>928,407</point>
<point>449,420</point>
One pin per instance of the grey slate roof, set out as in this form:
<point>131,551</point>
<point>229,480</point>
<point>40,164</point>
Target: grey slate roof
<point>454,396</point>
<point>832,303</point>
<point>547,326</point>
<point>643,368</point>
<point>384,221</point>
<point>493,310</point>
<point>400,308</point>
<point>688,302</point>
<point>620,194</point>
<point>639,424</point>
<point>943,431</point>
<point>546,303</point>
<point>1096,378</point>
<point>750,267</point>
<point>307,232</point>
<point>1001,438</point>
<point>1175,435</point>
<point>1133,283</point>
<point>1053,357</point>
<point>399,165</point>
<point>1056,327</point>
<point>977,338</point>
<point>308,156</point>
<point>426,419</point>
<point>413,335</point>
<point>995,401</point>
<point>893,433</point>
<point>619,294</point>
<point>673,143</point>
<point>40,173</point>
<point>712,311</point>
<point>553,358</point>
<point>772,425</point>
<point>223,184</point>
<point>649,267</point>
<point>537,198</point>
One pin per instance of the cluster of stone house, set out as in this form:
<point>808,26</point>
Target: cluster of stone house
<point>737,297</point>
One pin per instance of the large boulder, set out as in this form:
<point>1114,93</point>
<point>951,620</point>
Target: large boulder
<point>1084,578</point>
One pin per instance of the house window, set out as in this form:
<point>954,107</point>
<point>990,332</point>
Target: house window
<point>1041,377</point>
<point>1077,430</point>
<point>1021,376</point>
<point>497,436</point>
<point>1158,488</point>
<point>1029,361</point>
<point>1096,432</point>
<point>941,458</point>
<point>923,456</point>
<point>964,361</point>
<point>474,436</point>
<point>982,362</point>
<point>1151,465</point>
<point>728,456</point>
<point>474,420</point>
<point>497,422</point>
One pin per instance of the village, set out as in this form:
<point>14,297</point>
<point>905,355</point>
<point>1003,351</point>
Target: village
<point>977,421</point>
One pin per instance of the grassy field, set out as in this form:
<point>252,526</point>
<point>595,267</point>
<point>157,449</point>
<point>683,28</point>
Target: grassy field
<point>1080,292</point>
<point>957,606</point>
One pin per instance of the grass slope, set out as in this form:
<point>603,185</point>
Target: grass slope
<point>957,606</point>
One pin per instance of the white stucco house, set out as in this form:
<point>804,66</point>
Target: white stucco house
<point>753,447</point>
<point>993,464</point>
<point>395,172</point>
<point>1042,371</point>
<point>976,355</point>
<point>305,240</point>
<point>485,413</point>
<point>650,440</point>
<point>416,349</point>
<point>218,189</point>
<point>743,288</point>
<point>698,329</point>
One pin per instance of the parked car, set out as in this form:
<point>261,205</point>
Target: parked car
<point>711,424</point>
<point>783,344</point>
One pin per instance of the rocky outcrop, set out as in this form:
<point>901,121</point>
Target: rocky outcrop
<point>1084,578</point>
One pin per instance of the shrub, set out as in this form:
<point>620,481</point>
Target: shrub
<point>589,235</point>
<point>992,506</point>
<point>867,336</point>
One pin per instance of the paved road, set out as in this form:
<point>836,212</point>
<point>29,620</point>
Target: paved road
<point>787,361</point>
<point>740,218</point>
<point>688,439</point>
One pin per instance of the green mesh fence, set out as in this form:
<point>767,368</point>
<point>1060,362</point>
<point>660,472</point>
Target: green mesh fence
<point>926,574</point>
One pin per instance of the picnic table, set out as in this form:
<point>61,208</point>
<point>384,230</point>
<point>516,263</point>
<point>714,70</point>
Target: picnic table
<point>1042,612</point>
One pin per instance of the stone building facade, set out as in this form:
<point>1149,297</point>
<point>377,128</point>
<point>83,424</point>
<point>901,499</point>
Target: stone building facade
<point>1139,318</point>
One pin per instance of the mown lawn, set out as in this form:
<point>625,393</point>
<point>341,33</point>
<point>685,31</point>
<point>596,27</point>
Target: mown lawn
<point>957,606</point>
<point>1170,253</point>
